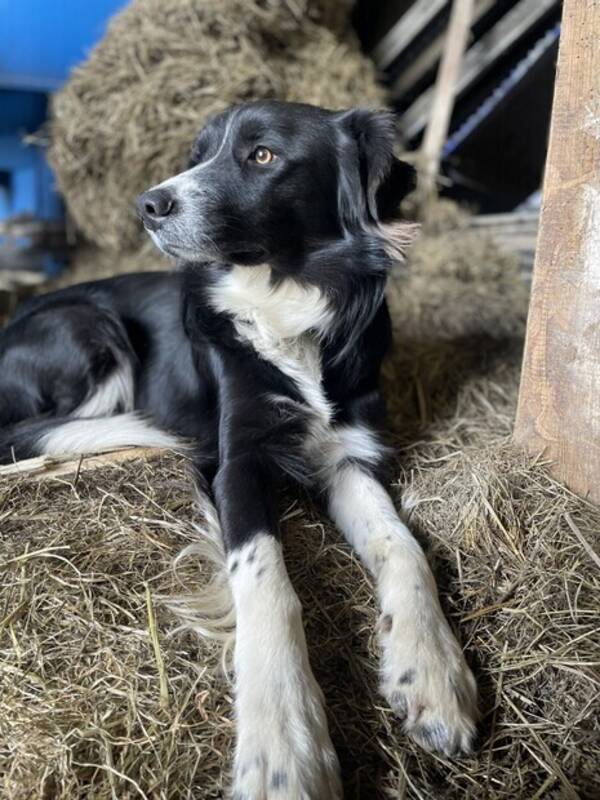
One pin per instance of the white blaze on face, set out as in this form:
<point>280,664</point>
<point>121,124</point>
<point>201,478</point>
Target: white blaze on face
<point>186,233</point>
<point>186,181</point>
<point>282,739</point>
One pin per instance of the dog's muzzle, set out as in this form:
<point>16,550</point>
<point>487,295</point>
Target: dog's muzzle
<point>154,206</point>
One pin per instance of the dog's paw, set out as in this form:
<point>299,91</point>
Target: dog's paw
<point>276,775</point>
<point>427,682</point>
<point>283,749</point>
<point>286,763</point>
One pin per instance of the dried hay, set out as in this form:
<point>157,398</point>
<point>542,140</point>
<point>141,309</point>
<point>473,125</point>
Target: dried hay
<point>88,709</point>
<point>127,117</point>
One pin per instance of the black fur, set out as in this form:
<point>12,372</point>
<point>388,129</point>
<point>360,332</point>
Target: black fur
<point>60,346</point>
<point>263,350</point>
<point>313,216</point>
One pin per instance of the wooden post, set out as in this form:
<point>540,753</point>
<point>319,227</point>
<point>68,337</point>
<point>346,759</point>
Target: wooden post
<point>443,101</point>
<point>559,401</point>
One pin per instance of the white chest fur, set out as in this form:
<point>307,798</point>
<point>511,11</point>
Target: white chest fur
<point>282,325</point>
<point>288,309</point>
<point>276,321</point>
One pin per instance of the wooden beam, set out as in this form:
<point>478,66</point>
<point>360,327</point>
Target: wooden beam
<point>13,279</point>
<point>445,88</point>
<point>559,402</point>
<point>427,59</point>
<point>480,58</point>
<point>46,467</point>
<point>412,23</point>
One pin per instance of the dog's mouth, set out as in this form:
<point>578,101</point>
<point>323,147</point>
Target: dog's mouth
<point>175,250</point>
<point>249,254</point>
<point>163,246</point>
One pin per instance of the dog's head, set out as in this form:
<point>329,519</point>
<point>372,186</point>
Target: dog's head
<point>271,182</point>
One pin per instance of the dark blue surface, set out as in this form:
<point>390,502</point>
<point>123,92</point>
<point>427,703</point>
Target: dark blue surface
<point>21,111</point>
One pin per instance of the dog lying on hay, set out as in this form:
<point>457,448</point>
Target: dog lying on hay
<point>264,351</point>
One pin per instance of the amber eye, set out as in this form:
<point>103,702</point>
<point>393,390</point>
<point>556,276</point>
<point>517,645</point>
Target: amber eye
<point>262,156</point>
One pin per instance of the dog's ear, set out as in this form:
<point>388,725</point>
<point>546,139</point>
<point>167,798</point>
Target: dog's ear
<point>371,178</point>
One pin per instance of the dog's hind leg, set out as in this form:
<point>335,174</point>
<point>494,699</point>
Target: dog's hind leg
<point>426,679</point>
<point>68,360</point>
<point>283,747</point>
<point>111,366</point>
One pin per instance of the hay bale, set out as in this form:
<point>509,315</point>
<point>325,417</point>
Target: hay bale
<point>80,702</point>
<point>80,698</point>
<point>126,118</point>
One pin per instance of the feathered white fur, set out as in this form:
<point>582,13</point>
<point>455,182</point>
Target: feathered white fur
<point>105,433</point>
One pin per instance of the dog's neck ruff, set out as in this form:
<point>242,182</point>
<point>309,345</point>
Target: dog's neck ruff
<point>283,310</point>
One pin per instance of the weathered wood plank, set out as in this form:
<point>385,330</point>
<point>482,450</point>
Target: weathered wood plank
<point>480,57</point>
<point>445,88</point>
<point>427,59</point>
<point>559,402</point>
<point>409,26</point>
<point>46,467</point>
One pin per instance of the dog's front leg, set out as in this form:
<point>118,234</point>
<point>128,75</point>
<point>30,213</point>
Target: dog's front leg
<point>283,747</point>
<point>426,679</point>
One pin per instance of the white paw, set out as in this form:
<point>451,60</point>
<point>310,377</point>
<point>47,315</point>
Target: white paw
<point>284,751</point>
<point>426,679</point>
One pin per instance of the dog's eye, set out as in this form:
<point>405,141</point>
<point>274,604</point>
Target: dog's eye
<point>262,156</point>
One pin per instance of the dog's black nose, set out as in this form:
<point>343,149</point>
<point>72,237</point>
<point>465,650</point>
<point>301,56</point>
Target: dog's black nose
<point>155,205</point>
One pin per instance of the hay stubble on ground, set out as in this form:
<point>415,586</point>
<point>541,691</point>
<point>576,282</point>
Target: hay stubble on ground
<point>87,710</point>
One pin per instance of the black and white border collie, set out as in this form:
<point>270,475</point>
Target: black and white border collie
<point>263,349</point>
